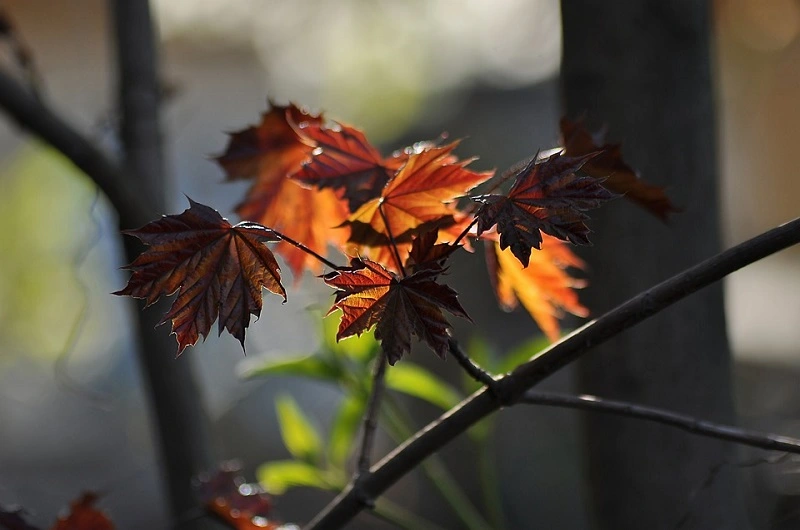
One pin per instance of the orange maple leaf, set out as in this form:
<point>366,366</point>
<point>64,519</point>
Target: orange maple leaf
<point>419,198</point>
<point>618,176</point>
<point>368,294</point>
<point>218,270</point>
<point>269,153</point>
<point>545,288</point>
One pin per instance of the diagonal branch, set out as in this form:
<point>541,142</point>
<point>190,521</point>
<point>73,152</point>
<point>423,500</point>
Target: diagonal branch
<point>770,442</point>
<point>115,182</point>
<point>484,402</point>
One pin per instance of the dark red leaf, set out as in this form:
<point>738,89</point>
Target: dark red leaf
<point>218,270</point>
<point>13,518</point>
<point>547,196</point>
<point>368,294</point>
<point>343,160</point>
<point>618,176</point>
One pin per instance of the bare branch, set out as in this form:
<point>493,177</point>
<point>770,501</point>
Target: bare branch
<point>476,372</point>
<point>770,442</point>
<point>371,415</point>
<point>441,431</point>
<point>115,182</point>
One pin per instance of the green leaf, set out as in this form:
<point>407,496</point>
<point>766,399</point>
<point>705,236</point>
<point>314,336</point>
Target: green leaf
<point>299,435</point>
<point>277,477</point>
<point>359,348</point>
<point>313,367</point>
<point>521,354</point>
<point>344,429</point>
<point>416,381</point>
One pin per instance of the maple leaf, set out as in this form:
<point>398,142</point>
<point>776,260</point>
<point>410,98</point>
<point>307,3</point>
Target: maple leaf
<point>618,176</point>
<point>427,253</point>
<point>270,153</point>
<point>84,516</point>
<point>218,270</point>
<point>242,505</point>
<point>547,196</point>
<point>421,194</point>
<point>343,160</point>
<point>368,294</point>
<point>545,288</point>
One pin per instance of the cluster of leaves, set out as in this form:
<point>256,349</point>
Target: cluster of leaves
<point>320,185</point>
<point>82,516</point>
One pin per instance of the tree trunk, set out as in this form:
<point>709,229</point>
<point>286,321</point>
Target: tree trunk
<point>175,398</point>
<point>643,68</point>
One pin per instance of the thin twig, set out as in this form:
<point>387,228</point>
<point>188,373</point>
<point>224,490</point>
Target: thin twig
<point>484,402</point>
<point>371,415</point>
<point>474,370</point>
<point>463,234</point>
<point>392,242</point>
<point>298,245</point>
<point>771,442</point>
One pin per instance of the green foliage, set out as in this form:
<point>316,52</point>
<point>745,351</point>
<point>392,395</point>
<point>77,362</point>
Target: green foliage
<point>299,435</point>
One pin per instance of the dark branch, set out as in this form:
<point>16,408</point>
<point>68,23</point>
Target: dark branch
<point>371,415</point>
<point>115,182</point>
<point>441,431</point>
<point>476,372</point>
<point>770,442</point>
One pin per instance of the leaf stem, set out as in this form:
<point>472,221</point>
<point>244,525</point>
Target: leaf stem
<point>300,246</point>
<point>371,414</point>
<point>464,233</point>
<point>392,242</point>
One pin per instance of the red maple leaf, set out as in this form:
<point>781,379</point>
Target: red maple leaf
<point>269,153</point>
<point>547,196</point>
<point>368,294</point>
<point>218,270</point>
<point>343,160</point>
<point>618,176</point>
<point>242,505</point>
<point>84,516</point>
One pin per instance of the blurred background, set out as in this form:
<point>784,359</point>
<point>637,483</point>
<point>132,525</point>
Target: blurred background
<point>72,410</point>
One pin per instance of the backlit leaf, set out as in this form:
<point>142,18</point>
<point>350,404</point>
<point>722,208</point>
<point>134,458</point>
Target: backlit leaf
<point>217,270</point>
<point>344,428</point>
<point>416,381</point>
<point>422,192</point>
<point>269,153</point>
<point>281,475</point>
<point>544,288</point>
<point>343,160</point>
<point>547,196</point>
<point>368,294</point>
<point>299,435</point>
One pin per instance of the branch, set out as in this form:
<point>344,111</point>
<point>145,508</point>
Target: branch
<point>769,442</point>
<point>115,182</point>
<point>473,370</point>
<point>484,402</point>
<point>371,415</point>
